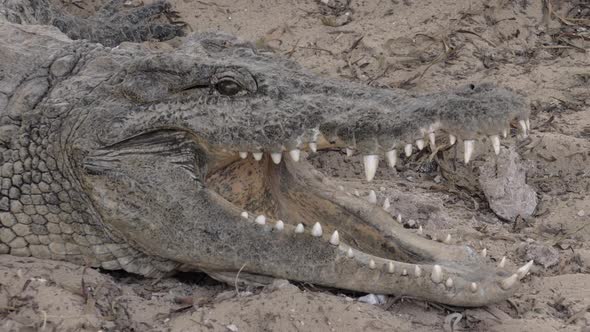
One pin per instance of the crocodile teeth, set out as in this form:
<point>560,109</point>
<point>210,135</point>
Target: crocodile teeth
<point>496,143</point>
<point>473,287</point>
<point>509,282</point>
<point>349,253</point>
<point>243,154</point>
<point>371,162</point>
<point>244,214</point>
<point>372,265</point>
<point>420,230</point>
<point>299,228</point>
<point>417,271</point>
<point>468,149</point>
<point>437,275</point>
<point>276,157</point>
<point>502,262</point>
<point>523,270</point>
<point>432,139</point>
<point>390,267</point>
<point>447,240</point>
<point>257,156</point>
<point>408,150</point>
<point>316,230</point>
<point>523,127</point>
<point>420,144</point>
<point>313,146</point>
<point>404,272</point>
<point>356,193</point>
<point>505,133</point>
<point>261,220</point>
<point>528,124</point>
<point>391,157</point>
<point>295,153</point>
<point>399,218</point>
<point>449,282</point>
<point>452,139</point>
<point>484,252</point>
<point>349,152</point>
<point>386,204</point>
<point>372,198</point>
<point>280,225</point>
<point>335,238</point>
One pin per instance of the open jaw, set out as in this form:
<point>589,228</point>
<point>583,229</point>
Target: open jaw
<point>262,210</point>
<point>333,236</point>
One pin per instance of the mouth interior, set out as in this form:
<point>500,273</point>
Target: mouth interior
<point>295,192</point>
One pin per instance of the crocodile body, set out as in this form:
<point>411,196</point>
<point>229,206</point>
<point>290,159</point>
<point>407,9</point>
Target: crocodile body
<point>154,161</point>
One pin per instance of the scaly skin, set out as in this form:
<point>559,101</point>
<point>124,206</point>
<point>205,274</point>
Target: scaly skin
<point>127,158</point>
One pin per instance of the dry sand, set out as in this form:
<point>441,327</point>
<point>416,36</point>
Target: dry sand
<point>415,45</point>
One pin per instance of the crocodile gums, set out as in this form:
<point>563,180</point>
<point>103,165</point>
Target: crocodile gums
<point>192,158</point>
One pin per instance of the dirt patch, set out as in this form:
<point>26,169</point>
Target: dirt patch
<point>420,46</point>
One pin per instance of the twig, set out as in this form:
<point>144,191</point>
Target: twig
<point>236,280</point>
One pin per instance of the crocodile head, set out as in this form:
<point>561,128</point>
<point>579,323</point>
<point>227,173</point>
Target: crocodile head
<point>197,155</point>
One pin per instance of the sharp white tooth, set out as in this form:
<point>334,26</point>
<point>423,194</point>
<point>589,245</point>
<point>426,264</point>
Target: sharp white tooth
<point>276,157</point>
<point>313,146</point>
<point>295,153</point>
<point>341,188</point>
<point>420,230</point>
<point>244,214</point>
<point>452,139</point>
<point>391,157</point>
<point>468,149</point>
<point>372,264</point>
<point>417,271</point>
<point>507,283</point>
<point>257,156</point>
<point>523,270</point>
<point>261,220</point>
<point>316,230</point>
<point>437,275</point>
<point>502,262</point>
<point>356,193</point>
<point>371,162</point>
<point>420,144</point>
<point>404,272</point>
<point>496,143</point>
<point>390,267</point>
<point>372,198</point>
<point>386,204</point>
<point>484,252</point>
<point>448,239</point>
<point>505,133</point>
<point>399,218</point>
<point>522,124</point>
<point>349,253</point>
<point>449,282</point>
<point>432,139</point>
<point>528,124</point>
<point>408,150</point>
<point>280,225</point>
<point>243,154</point>
<point>335,238</point>
<point>473,287</point>
<point>299,229</point>
<point>349,152</point>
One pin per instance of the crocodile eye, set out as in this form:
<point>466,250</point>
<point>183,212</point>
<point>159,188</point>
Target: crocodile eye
<point>228,87</point>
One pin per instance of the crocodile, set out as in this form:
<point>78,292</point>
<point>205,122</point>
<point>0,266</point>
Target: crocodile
<point>193,157</point>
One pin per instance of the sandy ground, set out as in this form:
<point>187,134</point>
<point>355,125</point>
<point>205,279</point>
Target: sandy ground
<point>415,45</point>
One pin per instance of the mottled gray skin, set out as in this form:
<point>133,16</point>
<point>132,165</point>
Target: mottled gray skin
<point>117,158</point>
